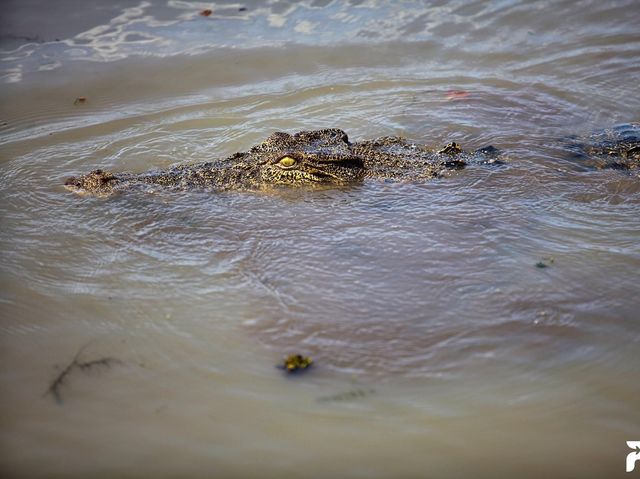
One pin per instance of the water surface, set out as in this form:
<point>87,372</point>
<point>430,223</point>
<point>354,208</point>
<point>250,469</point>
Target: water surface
<point>440,349</point>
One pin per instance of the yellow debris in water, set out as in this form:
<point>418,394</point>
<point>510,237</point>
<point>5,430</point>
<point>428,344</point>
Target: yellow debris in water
<point>296,362</point>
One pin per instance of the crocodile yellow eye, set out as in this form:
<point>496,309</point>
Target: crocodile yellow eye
<point>287,161</point>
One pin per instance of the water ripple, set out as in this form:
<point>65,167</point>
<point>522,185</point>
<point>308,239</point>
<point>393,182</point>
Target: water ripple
<point>422,280</point>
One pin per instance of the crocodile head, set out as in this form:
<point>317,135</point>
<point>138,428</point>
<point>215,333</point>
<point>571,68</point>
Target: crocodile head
<point>98,183</point>
<point>307,158</point>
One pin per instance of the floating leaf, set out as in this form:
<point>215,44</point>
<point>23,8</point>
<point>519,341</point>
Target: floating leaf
<point>457,95</point>
<point>296,362</point>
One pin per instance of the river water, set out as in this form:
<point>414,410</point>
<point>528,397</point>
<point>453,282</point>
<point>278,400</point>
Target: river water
<point>440,348</point>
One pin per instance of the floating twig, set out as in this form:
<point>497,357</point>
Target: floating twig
<point>58,382</point>
<point>350,395</point>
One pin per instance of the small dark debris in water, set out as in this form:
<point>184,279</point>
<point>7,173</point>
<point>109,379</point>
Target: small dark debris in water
<point>86,366</point>
<point>295,363</point>
<point>545,262</point>
<point>206,12</point>
<point>347,395</point>
<point>242,9</point>
<point>80,100</point>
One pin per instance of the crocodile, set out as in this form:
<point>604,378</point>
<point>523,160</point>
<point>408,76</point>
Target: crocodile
<point>615,148</point>
<point>320,157</point>
<point>327,157</point>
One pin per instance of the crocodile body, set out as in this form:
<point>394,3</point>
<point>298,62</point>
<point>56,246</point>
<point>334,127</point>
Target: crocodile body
<point>321,157</point>
<point>616,148</point>
<point>327,157</point>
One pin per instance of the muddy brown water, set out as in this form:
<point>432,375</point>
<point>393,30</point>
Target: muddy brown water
<point>440,349</point>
